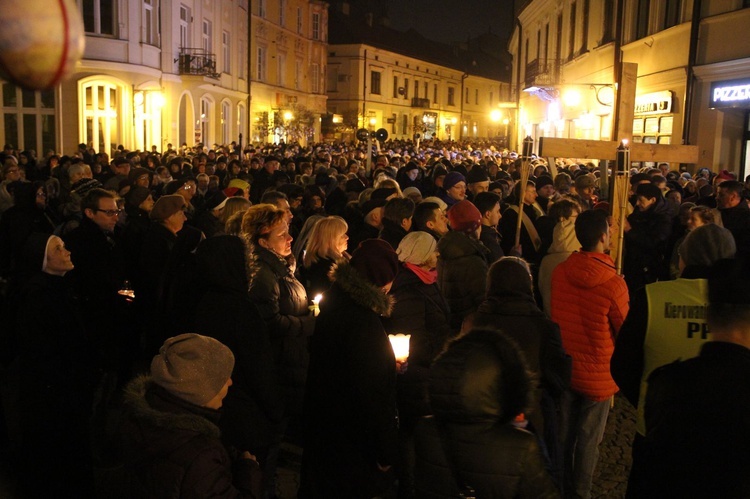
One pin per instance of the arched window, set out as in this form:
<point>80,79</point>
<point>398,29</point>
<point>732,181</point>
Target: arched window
<point>226,122</point>
<point>102,112</point>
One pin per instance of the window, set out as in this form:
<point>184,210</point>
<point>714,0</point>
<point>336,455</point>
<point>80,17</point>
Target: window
<point>282,13</point>
<point>546,42</point>
<point>206,120</point>
<point>404,124</point>
<point>299,19</point>
<point>476,96</point>
<point>375,82</point>
<point>406,88</point>
<point>572,32</point>
<point>241,120</point>
<point>262,8</point>
<point>395,87</point>
<point>260,69</point>
<point>185,20</point>
<point>672,13</point>
<point>226,122</point>
<point>492,97</point>
<point>608,21</point>
<point>28,118</point>
<point>466,96</point>
<point>416,89</point>
<point>281,69</point>
<point>98,16</point>
<point>226,51</point>
<point>298,75</point>
<point>316,26</point>
<point>426,89</point>
<point>451,96</point>
<point>315,77</point>
<point>150,23</point>
<point>434,93</point>
<point>100,103</point>
<point>585,31</point>
<point>208,45</point>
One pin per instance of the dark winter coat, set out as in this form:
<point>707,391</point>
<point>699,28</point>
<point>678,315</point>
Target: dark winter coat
<point>462,273</point>
<point>282,302</point>
<point>646,245</point>
<point>350,404</point>
<point>420,311</point>
<point>697,424</point>
<point>206,222</point>
<point>363,232</point>
<point>253,407</point>
<point>737,221</point>
<point>507,228</point>
<point>486,451</point>
<point>315,277</point>
<point>490,237</point>
<point>173,449</point>
<point>392,233</point>
<point>518,316</point>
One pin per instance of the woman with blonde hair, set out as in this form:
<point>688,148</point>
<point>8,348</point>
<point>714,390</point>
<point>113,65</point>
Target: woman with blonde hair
<point>325,247</point>
<point>233,205</point>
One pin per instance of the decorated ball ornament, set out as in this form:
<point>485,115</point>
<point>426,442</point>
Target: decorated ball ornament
<point>40,42</point>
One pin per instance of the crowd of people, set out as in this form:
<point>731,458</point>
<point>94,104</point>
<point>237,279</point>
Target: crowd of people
<point>176,316</point>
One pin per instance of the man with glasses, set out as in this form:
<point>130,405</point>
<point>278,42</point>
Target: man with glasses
<point>99,275</point>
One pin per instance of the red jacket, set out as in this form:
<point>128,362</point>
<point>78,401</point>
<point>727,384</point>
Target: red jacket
<point>589,303</point>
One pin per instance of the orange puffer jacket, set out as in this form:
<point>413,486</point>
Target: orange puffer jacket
<point>589,303</point>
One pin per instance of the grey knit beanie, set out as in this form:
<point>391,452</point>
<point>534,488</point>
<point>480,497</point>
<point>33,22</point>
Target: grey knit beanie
<point>192,367</point>
<point>416,247</point>
<point>707,244</point>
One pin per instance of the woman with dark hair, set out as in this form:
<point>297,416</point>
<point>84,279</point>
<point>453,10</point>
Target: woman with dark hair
<point>478,387</point>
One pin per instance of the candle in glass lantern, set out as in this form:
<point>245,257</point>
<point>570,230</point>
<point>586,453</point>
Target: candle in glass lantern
<point>400,345</point>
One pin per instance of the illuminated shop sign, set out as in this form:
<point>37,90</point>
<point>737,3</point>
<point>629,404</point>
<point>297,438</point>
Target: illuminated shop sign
<point>734,93</point>
<point>654,103</point>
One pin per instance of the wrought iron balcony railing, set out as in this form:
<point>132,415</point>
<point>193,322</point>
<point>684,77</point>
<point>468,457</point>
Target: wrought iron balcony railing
<point>417,102</point>
<point>543,72</point>
<point>196,61</point>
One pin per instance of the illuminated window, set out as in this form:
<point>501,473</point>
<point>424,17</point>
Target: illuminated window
<point>101,122</point>
<point>98,16</point>
<point>28,118</point>
<point>226,122</point>
<point>207,108</point>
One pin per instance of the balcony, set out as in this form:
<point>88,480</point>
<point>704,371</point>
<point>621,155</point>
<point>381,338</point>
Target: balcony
<point>422,103</point>
<point>543,73</point>
<point>194,61</point>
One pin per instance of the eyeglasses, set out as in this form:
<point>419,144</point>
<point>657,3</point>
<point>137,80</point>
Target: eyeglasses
<point>110,213</point>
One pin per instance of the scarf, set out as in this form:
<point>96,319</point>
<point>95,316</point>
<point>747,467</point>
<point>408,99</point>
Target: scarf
<point>426,276</point>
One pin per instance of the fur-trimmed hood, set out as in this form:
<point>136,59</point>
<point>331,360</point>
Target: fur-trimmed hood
<point>191,418</point>
<point>360,289</point>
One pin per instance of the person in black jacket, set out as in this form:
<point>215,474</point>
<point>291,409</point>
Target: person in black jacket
<point>397,215</point>
<point>281,299</point>
<point>477,388</point>
<point>462,266</point>
<point>488,204</point>
<point>171,440</point>
<point>646,236</point>
<point>350,405</point>
<point>510,306</point>
<point>420,311</point>
<point>253,409</point>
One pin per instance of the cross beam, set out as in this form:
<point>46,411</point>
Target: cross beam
<point>551,147</point>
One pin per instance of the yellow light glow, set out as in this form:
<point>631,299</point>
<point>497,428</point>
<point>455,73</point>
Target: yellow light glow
<point>373,120</point>
<point>571,98</point>
<point>288,116</point>
<point>495,115</point>
<point>506,121</point>
<point>400,345</point>
<point>157,99</point>
<point>454,121</point>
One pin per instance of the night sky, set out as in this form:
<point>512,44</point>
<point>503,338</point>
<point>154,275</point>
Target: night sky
<point>452,20</point>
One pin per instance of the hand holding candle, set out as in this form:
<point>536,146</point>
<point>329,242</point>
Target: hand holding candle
<point>315,307</point>
<point>400,345</point>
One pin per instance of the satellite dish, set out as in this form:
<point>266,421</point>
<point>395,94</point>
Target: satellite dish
<point>381,134</point>
<point>362,134</point>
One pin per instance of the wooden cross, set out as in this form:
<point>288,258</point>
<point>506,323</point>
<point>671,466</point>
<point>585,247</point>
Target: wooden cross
<point>552,147</point>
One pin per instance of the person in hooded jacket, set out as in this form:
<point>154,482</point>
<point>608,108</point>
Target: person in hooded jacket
<point>510,306</point>
<point>470,445</point>
<point>281,299</point>
<point>350,405</point>
<point>462,266</point>
<point>646,236</point>
<point>253,409</point>
<point>420,311</point>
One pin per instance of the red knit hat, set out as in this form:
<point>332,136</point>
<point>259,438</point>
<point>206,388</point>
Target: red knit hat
<point>464,216</point>
<point>727,175</point>
<point>376,261</point>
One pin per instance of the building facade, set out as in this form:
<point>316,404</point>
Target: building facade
<point>288,61</point>
<point>566,56</point>
<point>158,72</point>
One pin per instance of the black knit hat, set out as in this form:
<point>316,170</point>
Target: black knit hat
<point>376,261</point>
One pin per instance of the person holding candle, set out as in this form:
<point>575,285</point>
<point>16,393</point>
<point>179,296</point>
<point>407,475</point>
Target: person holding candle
<point>350,400</point>
<point>420,311</point>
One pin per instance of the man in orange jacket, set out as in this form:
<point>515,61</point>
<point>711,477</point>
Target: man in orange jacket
<point>589,303</point>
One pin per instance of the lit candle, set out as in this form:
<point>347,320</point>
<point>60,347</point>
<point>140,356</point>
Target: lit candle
<point>316,300</point>
<point>400,345</point>
<point>315,307</point>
